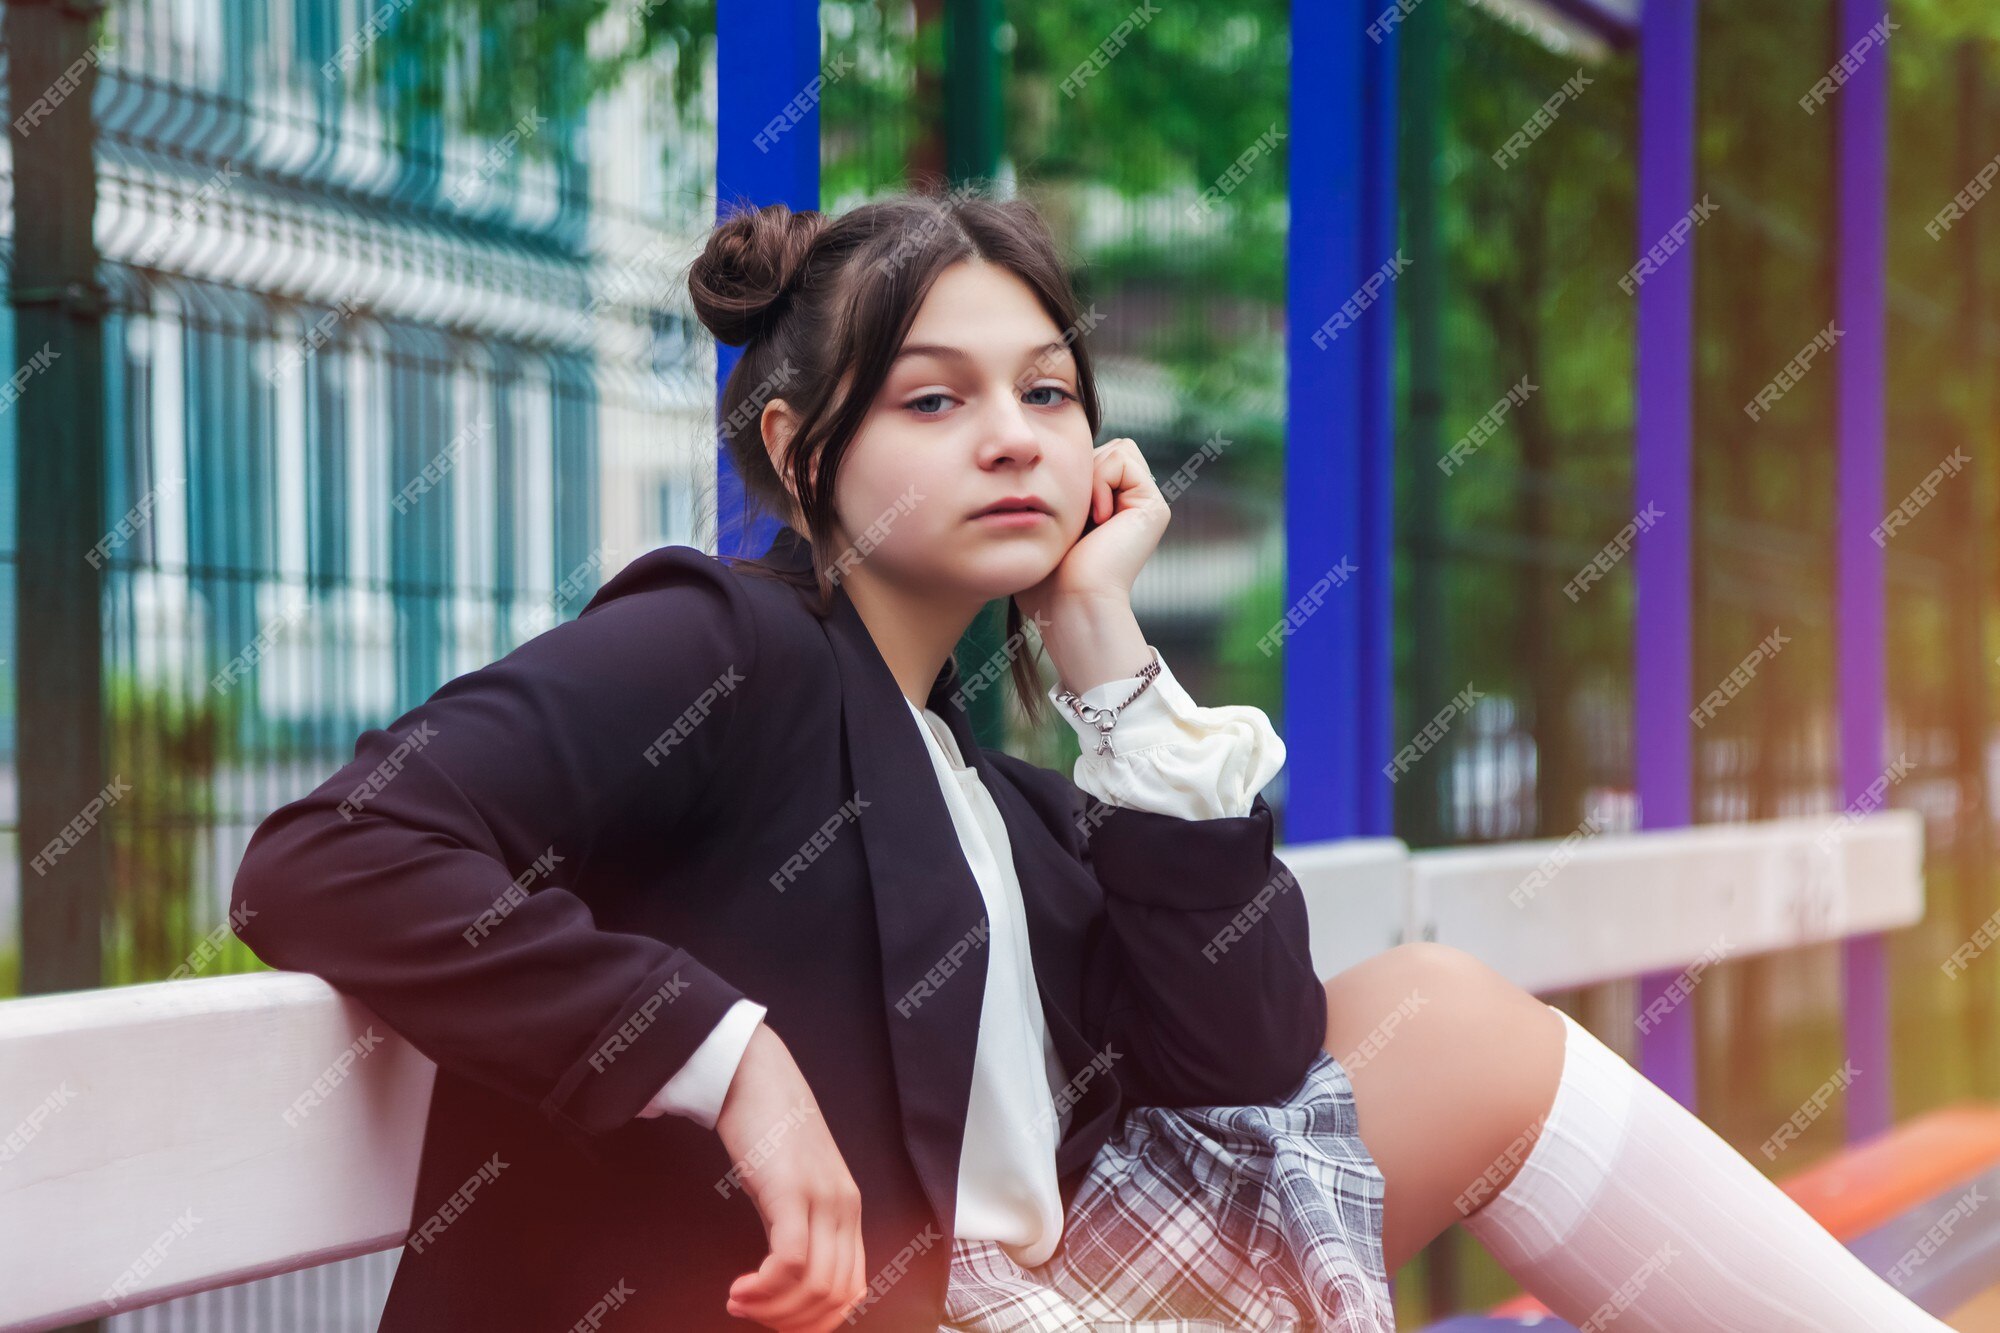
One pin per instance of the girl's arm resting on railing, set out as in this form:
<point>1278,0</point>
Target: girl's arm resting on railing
<point>427,877</point>
<point>1203,975</point>
<point>1213,992</point>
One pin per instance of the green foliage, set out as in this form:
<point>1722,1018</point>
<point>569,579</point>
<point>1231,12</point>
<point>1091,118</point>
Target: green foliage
<point>168,748</point>
<point>1188,92</point>
<point>482,64</point>
<point>1248,674</point>
<point>1174,108</point>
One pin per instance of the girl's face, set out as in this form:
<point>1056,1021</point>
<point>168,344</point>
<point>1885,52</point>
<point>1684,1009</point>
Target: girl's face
<point>980,406</point>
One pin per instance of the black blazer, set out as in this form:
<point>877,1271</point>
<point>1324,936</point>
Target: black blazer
<point>557,873</point>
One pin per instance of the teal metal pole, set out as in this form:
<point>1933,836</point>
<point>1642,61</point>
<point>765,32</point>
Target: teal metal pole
<point>56,396</point>
<point>972,155</point>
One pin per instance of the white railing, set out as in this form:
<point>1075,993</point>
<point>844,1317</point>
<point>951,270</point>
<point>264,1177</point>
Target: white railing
<point>176,1137</point>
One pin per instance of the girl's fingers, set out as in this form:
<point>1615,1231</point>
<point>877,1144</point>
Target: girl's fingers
<point>1118,471</point>
<point>847,1263</point>
<point>860,1274</point>
<point>755,1294</point>
<point>790,1298</point>
<point>829,1265</point>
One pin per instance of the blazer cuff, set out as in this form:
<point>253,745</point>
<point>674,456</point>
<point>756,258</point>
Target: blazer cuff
<point>1188,865</point>
<point>655,1032</point>
<point>698,1090</point>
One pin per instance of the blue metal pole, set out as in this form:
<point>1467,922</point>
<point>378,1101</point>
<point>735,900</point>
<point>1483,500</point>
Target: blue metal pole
<point>1377,405</point>
<point>1861,178</point>
<point>766,151</point>
<point>1342,263</point>
<point>1663,476</point>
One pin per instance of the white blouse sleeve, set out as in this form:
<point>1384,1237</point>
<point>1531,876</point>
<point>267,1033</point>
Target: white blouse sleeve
<point>1171,756</point>
<point>699,1087</point>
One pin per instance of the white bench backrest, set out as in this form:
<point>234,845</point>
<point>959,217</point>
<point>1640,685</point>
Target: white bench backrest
<point>175,1137</point>
<point>159,1144</point>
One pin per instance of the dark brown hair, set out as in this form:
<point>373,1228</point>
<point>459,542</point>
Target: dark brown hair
<point>820,306</point>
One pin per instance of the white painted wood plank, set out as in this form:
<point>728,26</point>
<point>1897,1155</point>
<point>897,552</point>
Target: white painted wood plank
<point>149,1141</point>
<point>157,1116</point>
<point>1357,897</point>
<point>1619,904</point>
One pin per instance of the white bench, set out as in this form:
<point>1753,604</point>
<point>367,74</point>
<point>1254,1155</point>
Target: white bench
<point>154,1140</point>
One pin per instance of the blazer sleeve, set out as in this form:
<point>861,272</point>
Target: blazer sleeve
<point>427,877</point>
<point>1201,977</point>
<point>1205,956</point>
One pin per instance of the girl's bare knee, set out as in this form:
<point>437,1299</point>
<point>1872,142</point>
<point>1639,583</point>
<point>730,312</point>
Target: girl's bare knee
<point>1453,1067</point>
<point>1420,978</point>
<point>1436,1013</point>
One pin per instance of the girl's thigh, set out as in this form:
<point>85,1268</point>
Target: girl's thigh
<point>1453,1067</point>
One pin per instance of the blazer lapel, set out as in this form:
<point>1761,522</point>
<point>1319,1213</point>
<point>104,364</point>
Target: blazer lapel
<point>929,916</point>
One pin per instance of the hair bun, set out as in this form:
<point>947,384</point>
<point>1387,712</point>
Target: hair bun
<point>740,281</point>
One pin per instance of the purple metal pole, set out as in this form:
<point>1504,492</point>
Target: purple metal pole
<point>766,151</point>
<point>1861,177</point>
<point>1663,475</point>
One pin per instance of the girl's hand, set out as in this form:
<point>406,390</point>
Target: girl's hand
<point>1128,515</point>
<point>816,1271</point>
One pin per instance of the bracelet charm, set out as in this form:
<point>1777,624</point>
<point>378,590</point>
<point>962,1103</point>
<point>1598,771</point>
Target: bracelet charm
<point>1104,719</point>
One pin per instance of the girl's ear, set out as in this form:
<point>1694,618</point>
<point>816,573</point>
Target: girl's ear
<point>777,423</point>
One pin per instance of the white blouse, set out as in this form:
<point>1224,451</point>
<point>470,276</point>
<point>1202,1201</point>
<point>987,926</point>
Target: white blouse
<point>1169,756</point>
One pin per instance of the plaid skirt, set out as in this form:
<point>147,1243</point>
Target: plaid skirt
<point>1212,1219</point>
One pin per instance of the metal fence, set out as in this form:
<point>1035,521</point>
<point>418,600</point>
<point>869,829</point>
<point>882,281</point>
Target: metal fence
<point>379,406</point>
<point>377,411</point>
<point>334,1298</point>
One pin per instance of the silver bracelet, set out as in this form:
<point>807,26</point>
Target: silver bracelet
<point>1104,719</point>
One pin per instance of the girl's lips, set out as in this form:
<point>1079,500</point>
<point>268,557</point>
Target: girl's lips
<point>1013,518</point>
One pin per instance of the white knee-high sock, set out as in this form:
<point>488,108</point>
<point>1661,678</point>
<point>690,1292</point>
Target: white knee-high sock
<point>1629,1213</point>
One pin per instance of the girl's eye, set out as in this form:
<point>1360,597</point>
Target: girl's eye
<point>916,404</point>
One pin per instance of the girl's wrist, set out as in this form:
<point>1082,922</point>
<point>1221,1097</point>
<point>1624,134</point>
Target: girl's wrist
<point>1093,638</point>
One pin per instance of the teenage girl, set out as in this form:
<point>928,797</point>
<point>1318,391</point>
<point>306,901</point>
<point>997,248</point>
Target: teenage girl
<point>1220,1138</point>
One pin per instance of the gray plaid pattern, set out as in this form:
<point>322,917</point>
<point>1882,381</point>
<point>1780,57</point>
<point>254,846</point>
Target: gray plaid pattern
<point>1213,1219</point>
